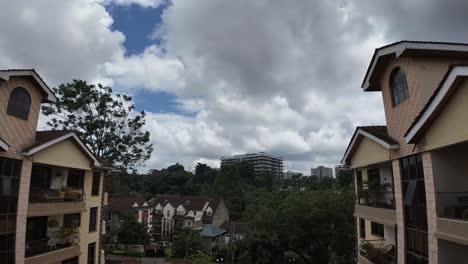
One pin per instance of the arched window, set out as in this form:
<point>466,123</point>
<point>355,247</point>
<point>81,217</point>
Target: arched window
<point>19,103</point>
<point>398,86</point>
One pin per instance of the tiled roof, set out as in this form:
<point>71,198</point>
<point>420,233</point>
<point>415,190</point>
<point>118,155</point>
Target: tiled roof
<point>124,204</point>
<point>380,132</point>
<point>43,137</point>
<point>41,81</point>
<point>195,203</point>
<point>211,231</point>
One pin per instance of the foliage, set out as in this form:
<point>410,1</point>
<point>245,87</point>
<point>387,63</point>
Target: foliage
<point>345,178</point>
<point>316,225</point>
<point>128,253</point>
<point>260,247</point>
<point>67,235</point>
<point>131,231</point>
<point>172,180</point>
<point>107,123</point>
<point>201,258</point>
<point>169,252</point>
<point>186,242</point>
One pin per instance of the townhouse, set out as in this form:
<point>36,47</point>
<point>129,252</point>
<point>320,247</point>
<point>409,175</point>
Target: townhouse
<point>411,175</point>
<point>193,212</point>
<point>50,183</point>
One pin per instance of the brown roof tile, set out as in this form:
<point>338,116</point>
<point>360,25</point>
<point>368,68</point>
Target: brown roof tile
<point>379,131</point>
<point>124,204</point>
<point>43,137</point>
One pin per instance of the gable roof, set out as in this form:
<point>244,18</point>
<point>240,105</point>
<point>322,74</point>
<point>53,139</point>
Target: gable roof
<point>124,204</point>
<point>195,203</point>
<point>408,48</point>
<point>212,231</point>
<point>7,74</point>
<point>437,101</point>
<point>45,139</point>
<point>378,134</point>
<point>3,145</point>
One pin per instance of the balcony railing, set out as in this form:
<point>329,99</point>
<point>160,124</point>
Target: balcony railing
<point>55,195</point>
<point>377,198</point>
<point>377,252</point>
<point>453,205</point>
<point>42,246</point>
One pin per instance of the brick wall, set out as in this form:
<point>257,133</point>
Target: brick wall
<point>18,133</point>
<point>431,206</point>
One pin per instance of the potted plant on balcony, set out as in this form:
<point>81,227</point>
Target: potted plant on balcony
<point>67,235</point>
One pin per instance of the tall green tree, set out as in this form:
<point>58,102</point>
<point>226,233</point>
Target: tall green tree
<point>131,231</point>
<point>186,242</point>
<point>106,122</point>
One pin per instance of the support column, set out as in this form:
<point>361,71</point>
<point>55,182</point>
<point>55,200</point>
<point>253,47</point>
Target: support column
<point>431,207</point>
<point>22,211</point>
<point>399,212</point>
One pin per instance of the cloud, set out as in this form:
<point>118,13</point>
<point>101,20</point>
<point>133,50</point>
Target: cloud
<point>253,75</point>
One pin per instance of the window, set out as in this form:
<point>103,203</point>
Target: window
<point>398,86</point>
<point>92,253</point>
<point>92,219</point>
<point>168,213</point>
<point>72,220</point>
<point>10,171</point>
<point>19,103</point>
<point>75,179</point>
<point>95,186</point>
<point>377,229</point>
<point>415,209</point>
<point>109,215</point>
<point>373,177</point>
<point>362,228</point>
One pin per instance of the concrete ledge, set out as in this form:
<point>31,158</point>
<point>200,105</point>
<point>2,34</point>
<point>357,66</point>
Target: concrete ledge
<point>44,209</point>
<point>379,215</point>
<point>56,256</point>
<point>452,230</point>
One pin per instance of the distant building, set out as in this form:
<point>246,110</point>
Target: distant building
<point>193,212</point>
<point>338,169</point>
<point>289,174</point>
<point>262,162</point>
<point>321,172</point>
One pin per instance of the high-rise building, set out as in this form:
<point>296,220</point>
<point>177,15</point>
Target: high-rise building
<point>322,172</point>
<point>410,174</point>
<point>50,182</point>
<point>289,174</point>
<point>261,162</point>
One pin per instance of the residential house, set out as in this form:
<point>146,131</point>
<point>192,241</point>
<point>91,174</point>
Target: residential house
<point>411,173</point>
<point>49,181</point>
<point>120,205</point>
<point>213,238</point>
<point>186,211</point>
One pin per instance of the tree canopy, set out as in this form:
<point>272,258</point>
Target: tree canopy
<point>131,231</point>
<point>106,122</point>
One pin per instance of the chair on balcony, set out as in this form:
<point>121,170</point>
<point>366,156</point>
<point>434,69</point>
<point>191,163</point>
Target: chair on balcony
<point>52,243</point>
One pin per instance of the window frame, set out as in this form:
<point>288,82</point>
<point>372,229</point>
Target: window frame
<point>91,258</point>
<point>96,183</point>
<point>377,229</point>
<point>69,218</point>
<point>14,108</point>
<point>93,219</point>
<point>398,84</point>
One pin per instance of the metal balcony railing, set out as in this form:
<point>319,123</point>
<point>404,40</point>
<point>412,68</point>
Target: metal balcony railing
<point>452,205</point>
<point>55,195</point>
<point>377,252</point>
<point>376,198</point>
<point>41,246</point>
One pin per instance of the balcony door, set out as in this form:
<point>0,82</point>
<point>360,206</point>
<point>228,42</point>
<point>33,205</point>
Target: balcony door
<point>36,228</point>
<point>40,178</point>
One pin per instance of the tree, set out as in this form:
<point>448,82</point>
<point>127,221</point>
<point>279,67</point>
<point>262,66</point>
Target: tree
<point>131,231</point>
<point>345,178</point>
<point>108,124</point>
<point>186,242</point>
<point>204,174</point>
<point>260,247</point>
<point>201,258</point>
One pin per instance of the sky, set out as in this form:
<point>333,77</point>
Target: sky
<point>219,77</point>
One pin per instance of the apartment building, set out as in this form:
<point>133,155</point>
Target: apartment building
<point>290,174</point>
<point>193,212</point>
<point>50,183</point>
<point>322,172</point>
<point>261,162</point>
<point>411,174</point>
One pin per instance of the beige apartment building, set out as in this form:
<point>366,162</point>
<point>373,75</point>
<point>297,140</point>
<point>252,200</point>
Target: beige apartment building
<point>50,183</point>
<point>411,175</point>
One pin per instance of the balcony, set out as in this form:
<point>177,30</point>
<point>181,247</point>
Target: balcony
<point>376,251</point>
<point>452,211</point>
<point>55,201</point>
<point>43,251</point>
<point>376,205</point>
